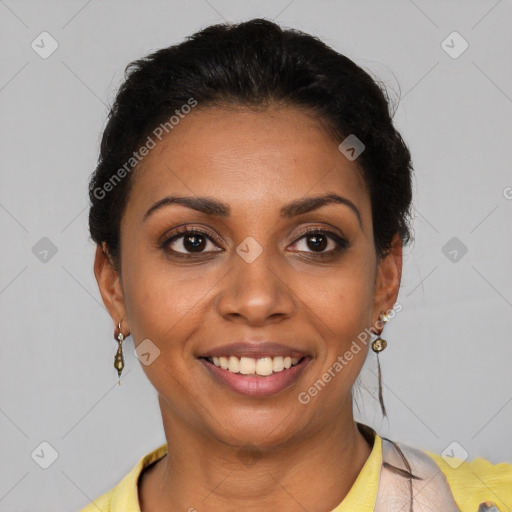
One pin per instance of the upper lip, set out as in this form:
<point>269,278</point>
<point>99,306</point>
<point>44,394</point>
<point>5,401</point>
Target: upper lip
<point>255,350</point>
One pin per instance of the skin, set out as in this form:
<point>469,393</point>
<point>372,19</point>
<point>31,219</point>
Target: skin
<point>301,456</point>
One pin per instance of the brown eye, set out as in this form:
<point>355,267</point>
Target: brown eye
<point>316,242</point>
<point>321,242</point>
<point>194,243</point>
<point>190,241</point>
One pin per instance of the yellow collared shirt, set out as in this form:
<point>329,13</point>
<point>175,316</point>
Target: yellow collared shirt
<point>471,484</point>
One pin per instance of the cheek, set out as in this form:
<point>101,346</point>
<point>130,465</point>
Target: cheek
<point>345,299</point>
<point>166,309</point>
<point>342,308</point>
<point>164,302</point>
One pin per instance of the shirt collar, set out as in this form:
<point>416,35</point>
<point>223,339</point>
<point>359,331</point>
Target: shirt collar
<point>363,493</point>
<point>361,497</point>
<point>125,497</point>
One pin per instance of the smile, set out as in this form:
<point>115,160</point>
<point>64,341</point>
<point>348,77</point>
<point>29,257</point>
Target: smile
<point>263,366</point>
<point>260,377</point>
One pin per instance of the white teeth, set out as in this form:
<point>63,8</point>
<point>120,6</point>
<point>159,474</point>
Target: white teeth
<point>234,364</point>
<point>247,365</point>
<point>278,364</point>
<point>263,366</point>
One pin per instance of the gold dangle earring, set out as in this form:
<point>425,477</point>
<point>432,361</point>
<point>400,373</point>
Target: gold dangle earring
<point>119,360</point>
<point>378,346</point>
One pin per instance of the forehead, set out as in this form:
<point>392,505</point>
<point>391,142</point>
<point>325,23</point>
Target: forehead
<point>248,158</point>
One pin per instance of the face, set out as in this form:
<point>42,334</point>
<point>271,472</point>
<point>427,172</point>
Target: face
<point>260,262</point>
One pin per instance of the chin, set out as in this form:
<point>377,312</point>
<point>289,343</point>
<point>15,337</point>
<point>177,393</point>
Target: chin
<point>265,426</point>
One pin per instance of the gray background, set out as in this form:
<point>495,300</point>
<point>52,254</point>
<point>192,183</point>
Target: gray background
<point>447,370</point>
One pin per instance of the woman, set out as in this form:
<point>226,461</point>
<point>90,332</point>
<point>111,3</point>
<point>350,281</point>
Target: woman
<point>250,205</point>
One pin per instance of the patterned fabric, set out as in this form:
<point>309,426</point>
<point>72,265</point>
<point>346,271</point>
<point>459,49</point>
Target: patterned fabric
<point>419,487</point>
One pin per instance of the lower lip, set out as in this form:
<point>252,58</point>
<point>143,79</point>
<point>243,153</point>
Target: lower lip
<point>256,385</point>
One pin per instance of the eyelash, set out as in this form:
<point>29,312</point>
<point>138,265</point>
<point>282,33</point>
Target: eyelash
<point>341,243</point>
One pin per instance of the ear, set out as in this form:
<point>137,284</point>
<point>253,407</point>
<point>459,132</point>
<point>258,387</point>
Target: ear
<point>387,282</point>
<point>109,283</point>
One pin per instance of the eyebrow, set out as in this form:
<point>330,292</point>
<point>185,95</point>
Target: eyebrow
<point>217,208</point>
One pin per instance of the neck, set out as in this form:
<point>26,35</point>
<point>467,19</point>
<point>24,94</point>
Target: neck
<point>314,472</point>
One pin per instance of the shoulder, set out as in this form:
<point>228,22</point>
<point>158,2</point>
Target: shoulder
<point>124,496</point>
<point>102,503</point>
<point>477,481</point>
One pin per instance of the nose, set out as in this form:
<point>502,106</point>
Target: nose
<point>256,292</point>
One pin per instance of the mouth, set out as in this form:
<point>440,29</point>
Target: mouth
<point>255,377</point>
<point>262,366</point>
